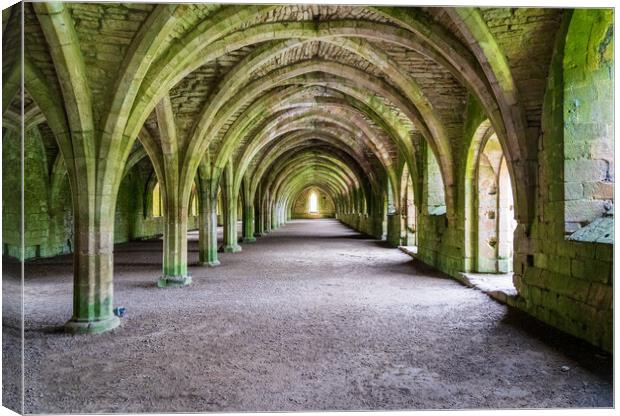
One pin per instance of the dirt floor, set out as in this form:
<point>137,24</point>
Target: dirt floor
<point>311,317</point>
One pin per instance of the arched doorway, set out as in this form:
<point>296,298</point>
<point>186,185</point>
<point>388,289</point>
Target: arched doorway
<point>494,215</point>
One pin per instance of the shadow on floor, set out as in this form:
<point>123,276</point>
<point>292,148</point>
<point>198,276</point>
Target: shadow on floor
<point>381,243</point>
<point>593,359</point>
<point>49,330</point>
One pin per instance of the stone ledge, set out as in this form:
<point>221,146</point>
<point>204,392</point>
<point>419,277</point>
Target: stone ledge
<point>498,286</point>
<point>410,250</point>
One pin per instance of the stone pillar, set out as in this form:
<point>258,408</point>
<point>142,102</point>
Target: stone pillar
<point>207,228</point>
<point>231,242</point>
<point>92,269</point>
<point>175,205</point>
<point>267,215</point>
<point>376,213</point>
<point>393,229</point>
<point>248,222</point>
<point>175,243</point>
<point>278,217</point>
<point>220,212</point>
<point>259,223</point>
<point>282,215</point>
<point>207,244</point>
<point>274,217</point>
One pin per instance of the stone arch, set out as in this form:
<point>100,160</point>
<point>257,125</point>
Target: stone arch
<point>489,204</point>
<point>508,117</point>
<point>284,74</point>
<point>297,119</point>
<point>301,206</point>
<point>406,86</point>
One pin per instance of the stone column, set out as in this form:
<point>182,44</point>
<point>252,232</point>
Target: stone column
<point>248,222</point>
<point>376,212</point>
<point>219,211</point>
<point>175,243</point>
<point>92,268</point>
<point>207,231</point>
<point>259,224</point>
<point>274,217</point>
<point>231,242</point>
<point>207,228</point>
<point>282,219</point>
<point>267,214</point>
<point>393,229</point>
<point>174,270</point>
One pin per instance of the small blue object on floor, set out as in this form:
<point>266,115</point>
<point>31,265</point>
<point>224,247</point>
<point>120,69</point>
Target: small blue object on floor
<point>119,311</point>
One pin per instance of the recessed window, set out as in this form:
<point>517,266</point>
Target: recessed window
<point>589,126</point>
<point>313,202</point>
<point>408,210</point>
<point>193,204</point>
<point>157,203</point>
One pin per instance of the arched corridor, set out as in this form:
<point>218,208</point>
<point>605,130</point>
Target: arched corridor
<point>313,316</point>
<point>187,179</point>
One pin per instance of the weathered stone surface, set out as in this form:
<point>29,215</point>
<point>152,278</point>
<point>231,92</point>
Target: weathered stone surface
<point>484,116</point>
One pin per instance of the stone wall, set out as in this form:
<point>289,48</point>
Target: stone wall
<point>568,284</point>
<point>360,222</point>
<point>325,205</point>
<point>11,193</point>
<point>589,119</point>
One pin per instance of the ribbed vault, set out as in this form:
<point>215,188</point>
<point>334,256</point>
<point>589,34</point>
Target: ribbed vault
<point>246,107</point>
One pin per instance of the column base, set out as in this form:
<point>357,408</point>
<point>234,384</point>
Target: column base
<point>92,327</point>
<point>258,234</point>
<point>231,249</point>
<point>174,281</point>
<point>249,239</point>
<point>210,263</point>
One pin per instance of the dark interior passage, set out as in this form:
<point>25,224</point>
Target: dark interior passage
<point>312,316</point>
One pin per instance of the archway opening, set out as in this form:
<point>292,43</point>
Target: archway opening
<point>158,210</point>
<point>495,210</point>
<point>193,203</point>
<point>313,203</point>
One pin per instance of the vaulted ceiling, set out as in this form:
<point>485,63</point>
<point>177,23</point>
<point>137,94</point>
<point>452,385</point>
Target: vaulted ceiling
<point>349,91</point>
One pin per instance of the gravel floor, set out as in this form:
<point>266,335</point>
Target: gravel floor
<point>311,317</point>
